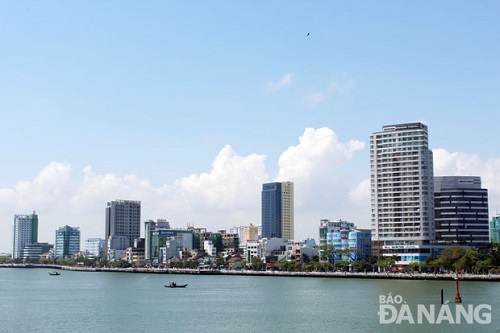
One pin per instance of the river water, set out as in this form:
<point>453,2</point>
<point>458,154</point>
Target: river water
<point>33,301</point>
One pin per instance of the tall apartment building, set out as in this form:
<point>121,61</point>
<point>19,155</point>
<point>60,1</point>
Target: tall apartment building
<point>402,193</point>
<point>461,211</point>
<point>278,210</point>
<point>123,224</point>
<point>25,232</point>
<point>67,242</point>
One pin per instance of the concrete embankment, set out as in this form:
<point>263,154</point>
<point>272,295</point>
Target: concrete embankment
<point>351,275</point>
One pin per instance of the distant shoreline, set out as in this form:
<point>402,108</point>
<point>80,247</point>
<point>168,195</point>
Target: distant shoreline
<point>351,275</point>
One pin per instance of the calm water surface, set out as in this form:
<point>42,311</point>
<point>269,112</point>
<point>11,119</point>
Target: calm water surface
<point>33,301</point>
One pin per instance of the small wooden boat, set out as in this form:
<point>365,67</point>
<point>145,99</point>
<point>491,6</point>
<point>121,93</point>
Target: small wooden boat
<point>175,285</point>
<point>54,273</point>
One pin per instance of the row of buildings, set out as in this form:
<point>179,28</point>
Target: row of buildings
<point>26,245</point>
<point>413,215</point>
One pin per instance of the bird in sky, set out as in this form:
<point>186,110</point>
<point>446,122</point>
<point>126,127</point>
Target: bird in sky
<point>307,34</point>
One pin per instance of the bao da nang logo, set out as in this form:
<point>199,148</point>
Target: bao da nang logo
<point>394,310</point>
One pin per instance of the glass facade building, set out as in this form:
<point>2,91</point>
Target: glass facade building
<point>67,242</point>
<point>278,210</point>
<point>461,211</point>
<point>495,229</point>
<point>36,250</point>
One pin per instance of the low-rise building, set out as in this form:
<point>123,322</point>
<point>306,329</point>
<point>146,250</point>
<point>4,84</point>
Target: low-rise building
<point>495,229</point>
<point>349,243</point>
<point>94,247</point>
<point>36,250</point>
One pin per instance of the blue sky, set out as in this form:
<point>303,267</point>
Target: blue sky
<point>190,107</point>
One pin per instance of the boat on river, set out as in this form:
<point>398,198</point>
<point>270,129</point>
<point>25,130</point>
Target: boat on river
<point>175,285</point>
<point>54,273</point>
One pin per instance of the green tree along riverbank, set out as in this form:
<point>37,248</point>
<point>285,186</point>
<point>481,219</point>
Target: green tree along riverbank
<point>481,262</point>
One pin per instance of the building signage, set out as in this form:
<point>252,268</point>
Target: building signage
<point>395,247</point>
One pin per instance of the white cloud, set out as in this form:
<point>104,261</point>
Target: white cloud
<point>317,154</point>
<point>320,165</point>
<point>283,82</point>
<point>227,195</point>
<point>316,166</point>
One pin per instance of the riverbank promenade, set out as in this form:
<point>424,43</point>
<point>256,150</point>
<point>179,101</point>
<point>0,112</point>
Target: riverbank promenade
<point>351,275</point>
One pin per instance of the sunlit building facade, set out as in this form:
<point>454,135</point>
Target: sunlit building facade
<point>402,193</point>
<point>123,224</point>
<point>25,232</point>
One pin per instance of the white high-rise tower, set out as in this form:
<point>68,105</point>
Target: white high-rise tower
<point>402,192</point>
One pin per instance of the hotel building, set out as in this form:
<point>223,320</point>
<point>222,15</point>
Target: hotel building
<point>25,232</point>
<point>402,194</point>
<point>123,224</point>
<point>278,210</point>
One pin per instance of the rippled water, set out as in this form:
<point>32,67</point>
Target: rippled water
<point>34,301</point>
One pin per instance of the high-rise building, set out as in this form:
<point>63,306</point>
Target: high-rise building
<point>461,211</point>
<point>495,229</point>
<point>67,242</point>
<point>250,232</point>
<point>402,194</point>
<point>25,232</point>
<point>149,227</point>
<point>123,224</point>
<point>278,210</point>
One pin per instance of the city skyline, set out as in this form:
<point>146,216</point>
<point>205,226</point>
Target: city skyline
<point>190,112</point>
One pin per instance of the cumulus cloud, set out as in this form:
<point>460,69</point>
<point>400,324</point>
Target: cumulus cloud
<point>227,195</point>
<point>319,152</point>
<point>320,165</point>
<point>315,165</point>
<point>231,182</point>
<point>283,82</point>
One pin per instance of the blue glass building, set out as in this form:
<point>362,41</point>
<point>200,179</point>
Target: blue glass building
<point>67,242</point>
<point>271,210</point>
